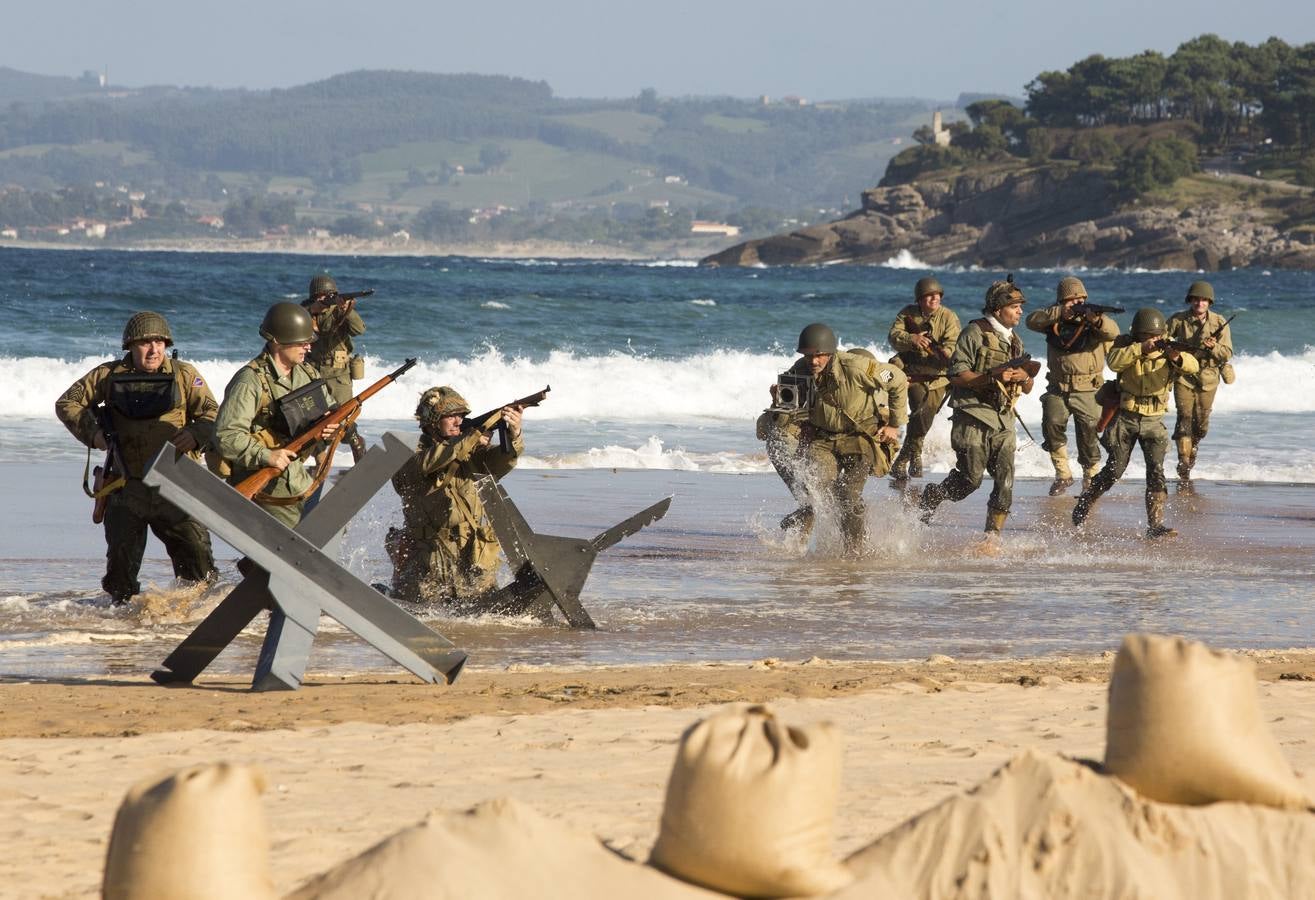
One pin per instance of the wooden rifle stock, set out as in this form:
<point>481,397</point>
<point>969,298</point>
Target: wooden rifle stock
<point>342,416</point>
<point>110,475</point>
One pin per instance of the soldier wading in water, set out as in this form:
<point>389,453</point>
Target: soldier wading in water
<point>336,322</point>
<point>151,400</point>
<point>847,429</point>
<point>445,550</point>
<point>1147,367</point>
<point>923,335</point>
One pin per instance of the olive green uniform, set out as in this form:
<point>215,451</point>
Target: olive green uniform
<point>1144,382</point>
<point>1075,370</point>
<point>248,428</point>
<point>332,351</point>
<point>1194,393</point>
<point>445,550</point>
<point>982,426</point>
<point>830,449</point>
<point>925,370</point>
<point>134,507</point>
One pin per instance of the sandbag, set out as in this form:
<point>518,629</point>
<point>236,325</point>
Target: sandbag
<point>750,806</point>
<point>1184,726</point>
<point>198,834</point>
<point>497,850</point>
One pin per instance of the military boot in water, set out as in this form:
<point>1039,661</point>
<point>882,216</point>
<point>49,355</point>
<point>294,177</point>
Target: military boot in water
<point>1087,476</point>
<point>915,465</point>
<point>995,520</point>
<point>899,469</point>
<point>1155,527</point>
<point>801,519</point>
<point>1063,475</point>
<point>1186,459</point>
<point>932,496</point>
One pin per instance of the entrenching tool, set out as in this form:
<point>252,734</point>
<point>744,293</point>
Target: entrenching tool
<point>287,573</point>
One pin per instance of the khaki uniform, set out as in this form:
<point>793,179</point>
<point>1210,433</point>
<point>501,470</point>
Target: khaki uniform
<point>1144,382</point>
<point>248,428</point>
<point>1194,393</point>
<point>445,551</point>
<point>982,427</point>
<point>830,449</point>
<point>925,371</point>
<point>1075,370</point>
<point>133,508</point>
<point>332,351</point>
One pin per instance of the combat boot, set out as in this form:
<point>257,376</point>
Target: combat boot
<point>915,463</point>
<point>899,469</point>
<point>801,519</point>
<point>932,496</point>
<point>1155,527</point>
<point>995,520</point>
<point>1063,476</point>
<point>1186,458</point>
<point>1087,476</point>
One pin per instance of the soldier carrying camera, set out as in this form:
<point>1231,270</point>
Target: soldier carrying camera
<point>835,418</point>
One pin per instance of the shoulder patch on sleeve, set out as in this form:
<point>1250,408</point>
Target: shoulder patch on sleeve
<point>198,381</point>
<point>886,375</point>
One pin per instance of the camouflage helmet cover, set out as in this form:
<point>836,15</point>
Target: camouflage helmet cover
<point>320,285</point>
<point>147,325</point>
<point>438,402</point>
<point>1070,288</point>
<point>1148,323</point>
<point>817,338</point>
<point>287,323</point>
<point>1201,289</point>
<point>925,286</point>
<point>1001,294</point>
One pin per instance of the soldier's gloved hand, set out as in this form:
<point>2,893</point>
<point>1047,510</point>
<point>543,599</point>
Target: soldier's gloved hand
<point>184,441</point>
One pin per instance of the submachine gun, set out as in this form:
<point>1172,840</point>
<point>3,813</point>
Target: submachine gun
<point>111,474</point>
<point>492,420</point>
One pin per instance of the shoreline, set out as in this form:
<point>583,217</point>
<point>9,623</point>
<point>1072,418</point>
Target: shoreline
<point>536,249</point>
<point>116,706</point>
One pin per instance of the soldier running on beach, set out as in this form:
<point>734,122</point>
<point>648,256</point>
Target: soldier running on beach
<point>923,336</point>
<point>336,323</point>
<point>1194,393</point>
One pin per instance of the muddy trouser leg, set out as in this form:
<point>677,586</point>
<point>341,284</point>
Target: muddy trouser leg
<point>923,406</point>
<point>125,542</point>
<point>185,540</point>
<point>1118,441</point>
<point>1154,439</point>
<point>1001,446</point>
<point>355,442</point>
<point>970,440</point>
<point>1054,431</point>
<point>847,493</point>
<point>1086,415</point>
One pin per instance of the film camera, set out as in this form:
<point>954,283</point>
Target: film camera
<point>794,393</point>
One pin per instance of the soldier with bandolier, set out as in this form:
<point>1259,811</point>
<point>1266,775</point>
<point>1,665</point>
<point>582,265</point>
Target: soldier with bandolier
<point>138,404</point>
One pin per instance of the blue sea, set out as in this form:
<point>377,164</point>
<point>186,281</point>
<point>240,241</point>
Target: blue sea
<point>658,370</point>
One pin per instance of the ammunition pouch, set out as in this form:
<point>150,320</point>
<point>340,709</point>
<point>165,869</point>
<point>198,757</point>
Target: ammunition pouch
<point>300,409</point>
<point>338,360</point>
<point>144,396</point>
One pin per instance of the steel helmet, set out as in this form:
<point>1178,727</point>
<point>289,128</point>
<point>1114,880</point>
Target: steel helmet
<point>1070,288</point>
<point>320,285</point>
<point>925,286</point>
<point>1148,323</point>
<point>1001,294</point>
<point>438,402</point>
<point>287,323</point>
<point>146,325</point>
<point>817,338</point>
<point>1203,290</point>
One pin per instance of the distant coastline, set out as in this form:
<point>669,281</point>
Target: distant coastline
<point>308,246</point>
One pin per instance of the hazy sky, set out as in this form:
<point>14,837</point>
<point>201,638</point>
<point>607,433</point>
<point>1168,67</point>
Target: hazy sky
<point>582,48</point>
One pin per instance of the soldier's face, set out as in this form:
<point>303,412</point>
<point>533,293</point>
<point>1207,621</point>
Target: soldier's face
<point>929,303</point>
<point>1199,306</point>
<point>1010,315</point>
<point>450,426</point>
<point>291,354</point>
<point>147,354</point>
<point>817,362</point>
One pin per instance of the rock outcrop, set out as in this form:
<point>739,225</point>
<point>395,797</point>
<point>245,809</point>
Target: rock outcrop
<point>1036,217</point>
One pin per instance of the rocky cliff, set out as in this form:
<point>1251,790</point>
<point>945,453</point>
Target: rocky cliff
<point>1034,217</point>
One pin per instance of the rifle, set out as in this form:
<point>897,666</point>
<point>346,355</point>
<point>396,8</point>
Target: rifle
<point>110,476</point>
<point>342,416</point>
<point>936,345</point>
<point>493,418</point>
<point>337,298</point>
<point>1023,361</point>
<point>1092,310</point>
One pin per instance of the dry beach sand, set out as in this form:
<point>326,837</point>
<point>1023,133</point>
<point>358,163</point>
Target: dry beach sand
<point>348,763</point>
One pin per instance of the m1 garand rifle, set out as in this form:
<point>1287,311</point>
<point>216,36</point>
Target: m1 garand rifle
<point>339,298</point>
<point>110,475</point>
<point>1083,314</point>
<point>301,444</point>
<point>1029,365</point>
<point>1194,349</point>
<point>492,420</point>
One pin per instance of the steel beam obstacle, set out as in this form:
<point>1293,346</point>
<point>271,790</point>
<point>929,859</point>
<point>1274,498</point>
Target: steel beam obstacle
<point>288,573</point>
<point>550,570</point>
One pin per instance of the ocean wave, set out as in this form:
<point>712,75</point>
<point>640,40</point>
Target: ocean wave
<point>905,260</point>
<point>717,385</point>
<point>651,455</point>
<point>494,304</point>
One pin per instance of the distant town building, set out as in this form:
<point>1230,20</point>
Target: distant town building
<point>765,100</point>
<point>9,233</point>
<point>721,228</point>
<point>939,135</point>
<point>674,179</point>
<point>95,229</point>
<point>212,221</point>
<point>792,100</point>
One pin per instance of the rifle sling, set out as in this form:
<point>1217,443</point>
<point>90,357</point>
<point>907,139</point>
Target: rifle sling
<point>105,489</point>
